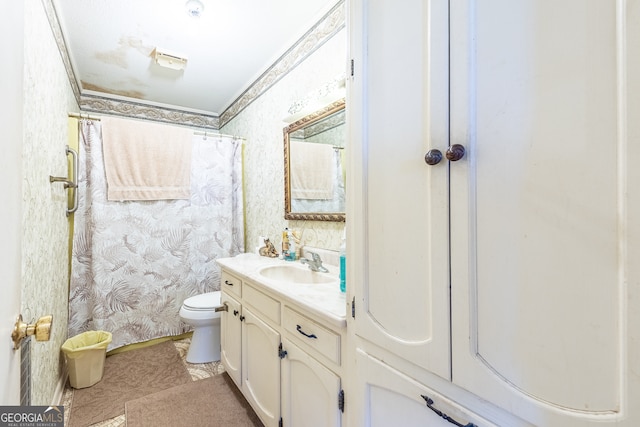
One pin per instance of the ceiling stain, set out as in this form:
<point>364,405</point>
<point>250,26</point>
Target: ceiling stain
<point>96,88</point>
<point>137,44</point>
<point>118,57</point>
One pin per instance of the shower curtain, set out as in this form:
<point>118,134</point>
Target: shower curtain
<point>133,262</point>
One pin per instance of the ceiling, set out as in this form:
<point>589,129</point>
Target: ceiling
<point>110,45</point>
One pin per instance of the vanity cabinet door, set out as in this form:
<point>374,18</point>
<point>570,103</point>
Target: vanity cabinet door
<point>231,338</point>
<point>261,367</point>
<point>310,391</point>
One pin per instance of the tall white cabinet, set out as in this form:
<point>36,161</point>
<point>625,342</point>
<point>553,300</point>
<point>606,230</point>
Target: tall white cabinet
<point>494,210</point>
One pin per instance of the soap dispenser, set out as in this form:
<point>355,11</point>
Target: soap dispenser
<point>343,262</point>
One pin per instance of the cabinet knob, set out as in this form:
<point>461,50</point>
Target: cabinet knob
<point>433,157</point>
<point>455,152</point>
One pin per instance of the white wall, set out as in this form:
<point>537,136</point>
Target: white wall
<point>262,124</point>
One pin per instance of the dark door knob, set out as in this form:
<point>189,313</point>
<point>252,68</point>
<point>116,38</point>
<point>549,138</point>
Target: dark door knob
<point>455,152</point>
<point>433,157</point>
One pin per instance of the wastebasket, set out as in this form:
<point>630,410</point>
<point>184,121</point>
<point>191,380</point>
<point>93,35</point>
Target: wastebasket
<point>85,355</point>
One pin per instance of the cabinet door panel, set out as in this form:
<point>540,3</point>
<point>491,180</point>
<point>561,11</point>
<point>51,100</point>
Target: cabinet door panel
<point>394,399</point>
<point>261,368</point>
<point>538,206</point>
<point>309,391</point>
<point>231,338</point>
<point>399,114</point>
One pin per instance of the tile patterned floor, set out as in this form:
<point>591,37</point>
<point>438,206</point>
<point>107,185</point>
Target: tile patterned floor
<point>198,371</point>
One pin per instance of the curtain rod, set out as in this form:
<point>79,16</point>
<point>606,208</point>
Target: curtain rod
<point>83,116</point>
<point>214,134</point>
<point>195,132</point>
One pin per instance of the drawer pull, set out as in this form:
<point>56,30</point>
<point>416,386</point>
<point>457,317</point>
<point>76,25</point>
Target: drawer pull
<point>442,414</point>
<point>299,328</point>
<point>226,282</point>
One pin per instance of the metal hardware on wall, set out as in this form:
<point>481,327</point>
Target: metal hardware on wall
<point>68,183</point>
<point>41,329</point>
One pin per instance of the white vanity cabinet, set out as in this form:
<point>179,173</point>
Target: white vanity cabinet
<point>493,150</point>
<point>231,338</point>
<point>249,345</point>
<point>286,361</point>
<point>261,367</point>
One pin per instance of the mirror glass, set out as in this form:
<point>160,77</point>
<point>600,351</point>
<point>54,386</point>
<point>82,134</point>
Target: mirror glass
<point>314,165</point>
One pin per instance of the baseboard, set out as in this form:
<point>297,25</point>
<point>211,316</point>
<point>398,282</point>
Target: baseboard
<point>58,395</point>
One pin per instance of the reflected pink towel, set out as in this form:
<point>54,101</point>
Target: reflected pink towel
<point>311,170</point>
<point>146,161</point>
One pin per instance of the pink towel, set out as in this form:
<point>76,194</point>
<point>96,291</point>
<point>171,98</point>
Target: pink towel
<point>146,161</point>
<point>311,170</point>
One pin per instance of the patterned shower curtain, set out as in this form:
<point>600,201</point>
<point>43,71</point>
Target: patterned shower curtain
<point>133,262</point>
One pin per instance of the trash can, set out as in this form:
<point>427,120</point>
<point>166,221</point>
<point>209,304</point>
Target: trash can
<point>85,354</point>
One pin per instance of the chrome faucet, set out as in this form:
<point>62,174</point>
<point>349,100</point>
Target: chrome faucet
<point>315,263</point>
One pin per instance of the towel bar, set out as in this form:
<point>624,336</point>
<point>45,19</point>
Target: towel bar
<point>70,183</point>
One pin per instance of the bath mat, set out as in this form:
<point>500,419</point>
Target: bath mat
<point>211,402</point>
<point>128,376</point>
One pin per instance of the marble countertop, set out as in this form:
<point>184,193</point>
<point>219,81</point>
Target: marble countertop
<point>322,299</point>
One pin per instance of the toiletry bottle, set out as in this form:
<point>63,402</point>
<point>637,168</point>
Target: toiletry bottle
<point>343,263</point>
<point>285,243</point>
<point>292,246</point>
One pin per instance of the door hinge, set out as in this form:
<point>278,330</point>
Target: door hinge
<point>341,401</point>
<point>353,307</point>
<point>280,422</point>
<point>281,353</point>
<point>352,68</point>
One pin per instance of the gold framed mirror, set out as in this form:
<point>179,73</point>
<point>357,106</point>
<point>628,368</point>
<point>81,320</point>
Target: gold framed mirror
<point>314,171</point>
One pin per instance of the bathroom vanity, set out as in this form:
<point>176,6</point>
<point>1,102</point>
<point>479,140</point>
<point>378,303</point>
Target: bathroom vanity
<point>282,339</point>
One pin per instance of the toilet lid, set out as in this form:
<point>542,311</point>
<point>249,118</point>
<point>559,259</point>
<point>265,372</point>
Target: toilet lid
<point>206,301</point>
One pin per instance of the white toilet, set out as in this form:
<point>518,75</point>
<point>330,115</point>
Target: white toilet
<point>199,312</point>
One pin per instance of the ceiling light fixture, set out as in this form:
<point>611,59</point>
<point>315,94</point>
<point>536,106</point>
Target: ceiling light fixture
<point>194,8</point>
<point>168,60</point>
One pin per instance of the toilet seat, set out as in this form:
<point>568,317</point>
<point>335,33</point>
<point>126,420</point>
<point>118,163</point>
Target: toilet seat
<point>203,302</point>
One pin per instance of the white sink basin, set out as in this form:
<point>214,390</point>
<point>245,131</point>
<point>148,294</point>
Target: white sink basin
<point>296,274</point>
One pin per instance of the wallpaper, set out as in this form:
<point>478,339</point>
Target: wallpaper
<point>48,98</point>
<point>261,123</point>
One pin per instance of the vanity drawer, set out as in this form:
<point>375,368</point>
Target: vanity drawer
<point>261,302</point>
<point>323,340</point>
<point>231,284</point>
